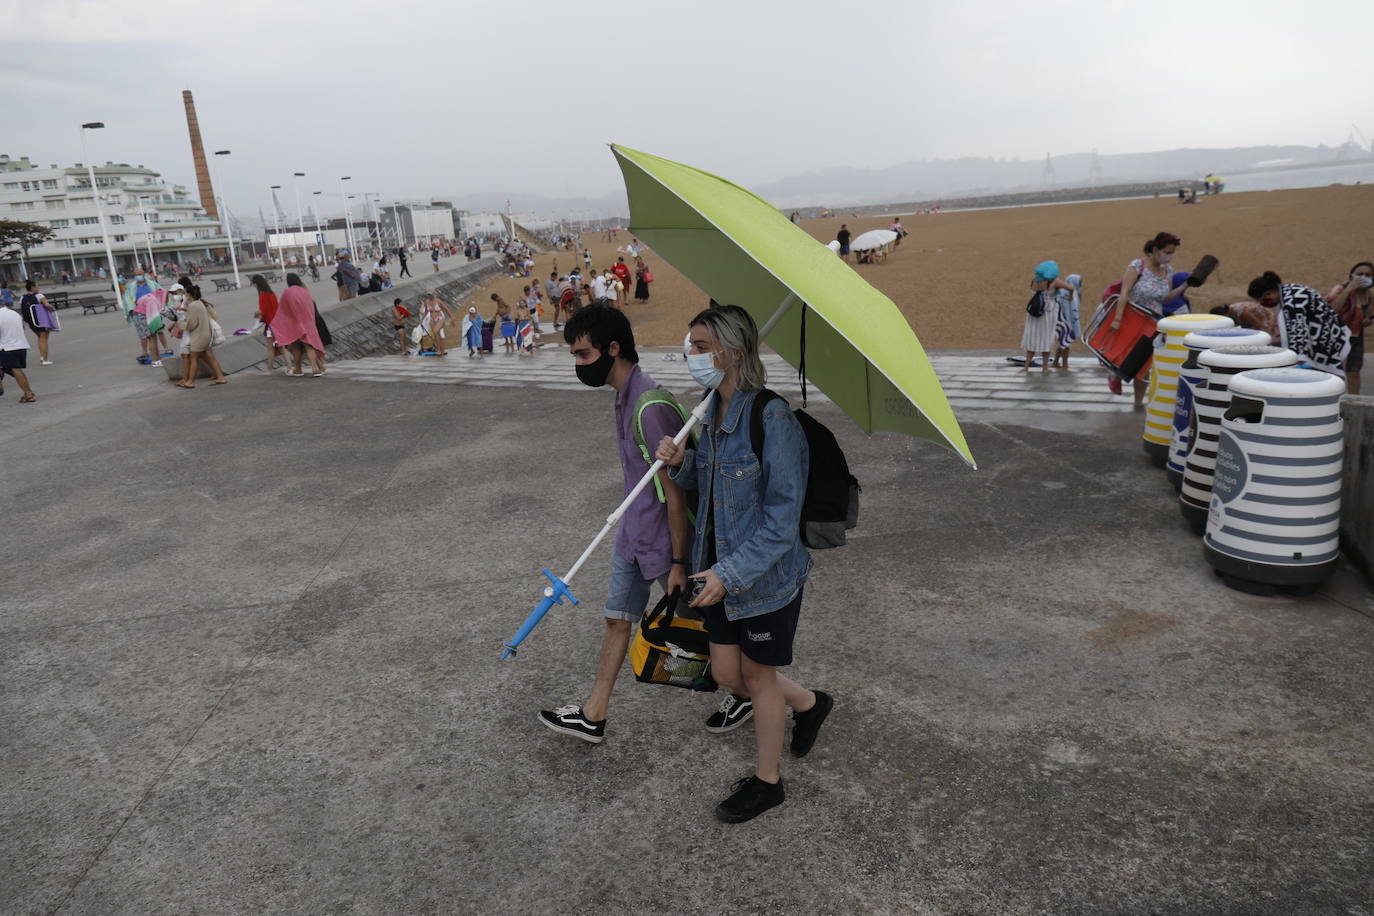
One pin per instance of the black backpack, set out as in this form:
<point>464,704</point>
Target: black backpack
<point>832,493</point>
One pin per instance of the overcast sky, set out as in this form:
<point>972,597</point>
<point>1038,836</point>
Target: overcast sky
<point>445,98</point>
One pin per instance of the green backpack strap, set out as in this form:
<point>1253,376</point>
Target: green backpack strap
<point>646,400</point>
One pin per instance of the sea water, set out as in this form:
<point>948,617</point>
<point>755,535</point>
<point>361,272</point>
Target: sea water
<point>1361,172</point>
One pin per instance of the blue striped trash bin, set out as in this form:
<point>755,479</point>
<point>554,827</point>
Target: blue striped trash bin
<point>1274,520</point>
<point>1210,401</point>
<point>1190,376</point>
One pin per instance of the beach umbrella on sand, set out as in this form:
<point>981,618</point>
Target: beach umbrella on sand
<point>842,334</point>
<point>873,238</point>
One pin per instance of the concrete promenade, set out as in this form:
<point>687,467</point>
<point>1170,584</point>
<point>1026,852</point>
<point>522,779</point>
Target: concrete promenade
<point>249,645</point>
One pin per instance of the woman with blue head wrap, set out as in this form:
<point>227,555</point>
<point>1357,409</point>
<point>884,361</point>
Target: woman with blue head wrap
<point>1042,314</point>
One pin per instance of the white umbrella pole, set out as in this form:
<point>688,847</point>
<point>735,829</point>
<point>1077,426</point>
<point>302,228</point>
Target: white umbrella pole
<point>557,588</point>
<point>614,517</point>
<point>777,316</point>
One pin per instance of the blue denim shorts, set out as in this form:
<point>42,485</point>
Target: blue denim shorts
<point>628,596</point>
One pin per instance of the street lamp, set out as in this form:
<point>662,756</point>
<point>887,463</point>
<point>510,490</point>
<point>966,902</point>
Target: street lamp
<point>348,220</point>
<point>224,219</point>
<point>300,218</point>
<point>319,232</point>
<point>276,220</point>
<point>370,201</point>
<point>147,237</point>
<point>99,212</point>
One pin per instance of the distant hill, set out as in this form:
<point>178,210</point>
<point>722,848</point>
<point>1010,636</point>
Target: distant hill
<point>971,177</point>
<point>933,179</point>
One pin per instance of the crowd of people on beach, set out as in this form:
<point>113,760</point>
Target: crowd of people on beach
<point>1326,331</point>
<point>516,329</point>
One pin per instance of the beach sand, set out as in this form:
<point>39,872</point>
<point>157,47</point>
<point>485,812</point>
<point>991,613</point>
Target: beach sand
<point>961,279</point>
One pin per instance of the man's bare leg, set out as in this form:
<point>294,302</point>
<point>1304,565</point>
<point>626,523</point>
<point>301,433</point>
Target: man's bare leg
<point>615,642</point>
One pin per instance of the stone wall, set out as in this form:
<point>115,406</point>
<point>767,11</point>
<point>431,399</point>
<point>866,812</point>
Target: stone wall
<point>1357,490</point>
<point>362,325</point>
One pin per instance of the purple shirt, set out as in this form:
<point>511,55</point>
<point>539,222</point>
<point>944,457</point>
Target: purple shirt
<point>643,536</point>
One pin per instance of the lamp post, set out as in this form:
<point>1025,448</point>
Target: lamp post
<point>370,201</point>
<point>319,232</point>
<point>348,220</point>
<point>147,236</point>
<point>300,217</point>
<point>276,220</point>
<point>99,211</point>
<point>224,218</point>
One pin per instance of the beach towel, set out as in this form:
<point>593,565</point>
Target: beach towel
<point>295,319</point>
<point>1311,328</point>
<point>1066,328</point>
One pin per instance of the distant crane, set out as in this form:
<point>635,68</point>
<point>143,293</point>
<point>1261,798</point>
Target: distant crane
<point>1095,175</point>
<point>1354,131</point>
<point>1048,178</point>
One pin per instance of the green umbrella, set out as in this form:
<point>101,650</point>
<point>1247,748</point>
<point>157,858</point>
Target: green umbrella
<point>739,249</point>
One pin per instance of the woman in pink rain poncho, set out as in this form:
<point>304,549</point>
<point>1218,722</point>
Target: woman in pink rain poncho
<point>294,327</point>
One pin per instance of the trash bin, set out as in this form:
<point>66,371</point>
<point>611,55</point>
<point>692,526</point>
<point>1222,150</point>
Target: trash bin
<point>1274,519</point>
<point>1209,403</point>
<point>1190,375</point>
<point>1168,357</point>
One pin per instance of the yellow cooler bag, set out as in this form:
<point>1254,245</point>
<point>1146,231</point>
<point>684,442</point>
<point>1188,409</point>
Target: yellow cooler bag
<point>671,649</point>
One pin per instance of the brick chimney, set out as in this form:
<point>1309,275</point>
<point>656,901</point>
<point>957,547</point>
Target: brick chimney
<point>207,191</point>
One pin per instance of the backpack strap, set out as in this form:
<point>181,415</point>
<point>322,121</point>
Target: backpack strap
<point>646,400</point>
<point>756,419</point>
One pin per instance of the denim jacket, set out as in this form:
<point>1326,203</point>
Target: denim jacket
<point>759,554</point>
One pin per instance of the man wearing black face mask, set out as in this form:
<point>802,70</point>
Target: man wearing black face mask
<point>655,533</point>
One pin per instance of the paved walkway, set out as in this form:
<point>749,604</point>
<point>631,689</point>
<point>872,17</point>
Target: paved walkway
<point>249,663</point>
<point>971,382</point>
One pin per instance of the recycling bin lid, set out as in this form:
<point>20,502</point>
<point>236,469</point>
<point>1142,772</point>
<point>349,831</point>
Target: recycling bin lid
<point>1248,357</point>
<point>1225,337</point>
<point>1194,322</point>
<point>1288,382</point>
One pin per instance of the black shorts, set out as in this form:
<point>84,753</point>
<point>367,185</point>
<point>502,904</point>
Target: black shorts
<point>14,359</point>
<point>1355,361</point>
<point>766,638</point>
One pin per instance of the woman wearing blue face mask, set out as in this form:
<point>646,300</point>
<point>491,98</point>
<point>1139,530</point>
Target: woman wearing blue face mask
<point>747,550</point>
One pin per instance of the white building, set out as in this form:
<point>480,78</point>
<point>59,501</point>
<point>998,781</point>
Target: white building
<point>420,224</point>
<point>142,212</point>
<point>486,224</point>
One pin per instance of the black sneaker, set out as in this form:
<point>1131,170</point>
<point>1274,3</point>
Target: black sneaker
<point>570,721</point>
<point>806,725</point>
<point>749,798</point>
<point>734,711</point>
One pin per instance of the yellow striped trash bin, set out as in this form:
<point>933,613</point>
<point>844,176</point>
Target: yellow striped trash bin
<point>1168,359</point>
<point>1191,376</point>
<point>1274,521</point>
<point>1210,401</point>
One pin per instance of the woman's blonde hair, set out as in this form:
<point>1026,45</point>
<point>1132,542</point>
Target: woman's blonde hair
<point>733,328</point>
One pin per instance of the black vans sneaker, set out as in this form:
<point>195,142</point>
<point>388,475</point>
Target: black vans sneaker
<point>570,721</point>
<point>806,725</point>
<point>734,711</point>
<point>750,797</point>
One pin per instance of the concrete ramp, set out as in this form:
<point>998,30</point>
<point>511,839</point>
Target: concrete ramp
<point>361,326</point>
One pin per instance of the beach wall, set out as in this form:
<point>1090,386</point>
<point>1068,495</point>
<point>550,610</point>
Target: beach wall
<point>362,326</point>
<point>1357,490</point>
<point>1029,198</point>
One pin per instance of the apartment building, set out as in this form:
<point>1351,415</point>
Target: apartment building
<point>146,218</point>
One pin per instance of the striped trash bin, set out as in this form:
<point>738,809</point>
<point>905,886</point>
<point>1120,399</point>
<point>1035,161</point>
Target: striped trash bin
<point>1210,402</point>
<point>1274,519</point>
<point>1168,358</point>
<point>1190,376</point>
